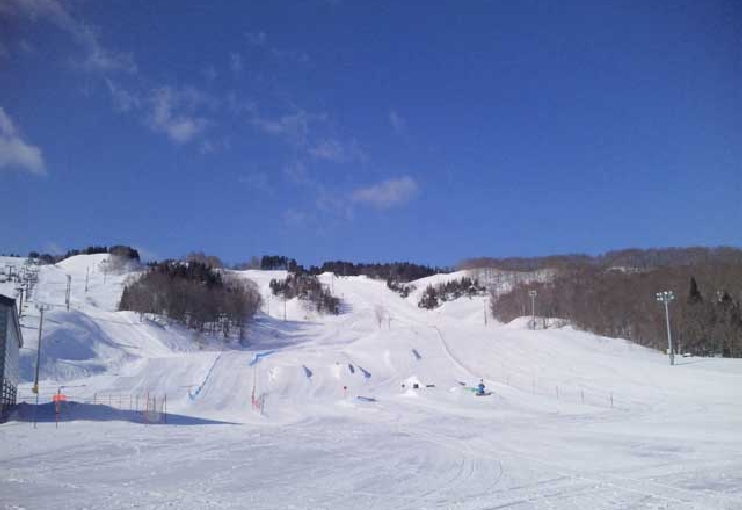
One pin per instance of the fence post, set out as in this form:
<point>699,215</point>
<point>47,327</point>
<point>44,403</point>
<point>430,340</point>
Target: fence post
<point>95,395</point>
<point>109,400</point>
<point>611,400</point>
<point>582,396</point>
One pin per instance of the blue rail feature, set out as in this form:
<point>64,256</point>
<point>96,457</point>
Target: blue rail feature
<point>194,394</point>
<point>258,356</point>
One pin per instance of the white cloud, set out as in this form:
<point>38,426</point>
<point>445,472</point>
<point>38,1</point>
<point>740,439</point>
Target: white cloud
<point>235,62</point>
<point>15,152</point>
<point>176,112</point>
<point>97,57</point>
<point>387,194</point>
<point>398,122</point>
<point>173,113</point>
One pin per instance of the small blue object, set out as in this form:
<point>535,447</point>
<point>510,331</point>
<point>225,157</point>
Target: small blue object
<point>480,389</point>
<point>260,355</point>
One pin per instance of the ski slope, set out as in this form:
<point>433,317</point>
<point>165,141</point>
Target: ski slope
<point>574,421</point>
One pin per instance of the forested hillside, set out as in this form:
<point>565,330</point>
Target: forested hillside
<point>615,295</point>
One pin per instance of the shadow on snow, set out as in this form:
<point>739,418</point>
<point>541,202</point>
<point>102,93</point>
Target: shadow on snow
<point>79,411</point>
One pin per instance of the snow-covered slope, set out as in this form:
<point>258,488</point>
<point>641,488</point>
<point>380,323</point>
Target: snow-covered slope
<point>574,421</point>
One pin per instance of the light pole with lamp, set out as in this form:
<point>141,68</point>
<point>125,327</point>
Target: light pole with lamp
<point>40,307</point>
<point>533,294</point>
<point>665,297</point>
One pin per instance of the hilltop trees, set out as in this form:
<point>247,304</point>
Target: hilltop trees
<point>202,258</point>
<point>194,294</point>
<point>449,291</point>
<point>308,288</point>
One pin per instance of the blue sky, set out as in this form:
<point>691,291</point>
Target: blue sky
<point>425,131</point>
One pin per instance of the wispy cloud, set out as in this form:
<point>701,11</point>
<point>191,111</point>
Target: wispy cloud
<point>235,62</point>
<point>256,180</point>
<point>54,248</point>
<point>294,126</point>
<point>238,106</point>
<point>329,202</point>
<point>388,193</point>
<point>399,124</point>
<point>177,113</point>
<point>332,149</point>
<point>296,172</point>
<point>96,58</point>
<point>260,40</point>
<point>15,153</point>
<point>211,146</point>
<point>173,113</point>
<point>294,218</point>
<point>123,100</point>
<point>256,38</point>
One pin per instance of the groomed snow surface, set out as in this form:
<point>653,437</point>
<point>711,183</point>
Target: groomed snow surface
<point>574,421</point>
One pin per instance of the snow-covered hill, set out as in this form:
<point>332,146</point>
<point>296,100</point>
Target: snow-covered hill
<point>574,421</point>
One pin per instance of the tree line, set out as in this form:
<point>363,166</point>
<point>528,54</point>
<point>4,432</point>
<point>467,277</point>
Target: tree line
<point>633,258</point>
<point>705,317</point>
<point>125,252</point>
<point>194,294</point>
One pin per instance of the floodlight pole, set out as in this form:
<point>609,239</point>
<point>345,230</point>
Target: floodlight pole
<point>533,294</point>
<point>666,297</point>
<point>41,308</point>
